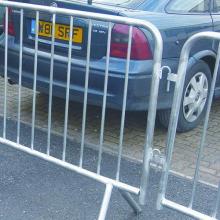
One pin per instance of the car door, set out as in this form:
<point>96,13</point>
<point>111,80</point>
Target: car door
<point>178,20</point>
<point>216,22</point>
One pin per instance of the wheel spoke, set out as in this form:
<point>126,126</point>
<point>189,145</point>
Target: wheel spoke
<point>205,93</point>
<point>190,113</point>
<point>202,82</point>
<point>194,84</point>
<point>192,94</point>
<point>188,100</point>
<point>200,108</point>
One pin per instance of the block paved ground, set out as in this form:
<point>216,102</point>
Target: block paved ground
<point>184,156</point>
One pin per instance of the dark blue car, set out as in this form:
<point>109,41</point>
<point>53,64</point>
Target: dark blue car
<point>177,20</point>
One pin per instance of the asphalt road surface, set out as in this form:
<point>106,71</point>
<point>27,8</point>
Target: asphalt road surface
<point>31,188</point>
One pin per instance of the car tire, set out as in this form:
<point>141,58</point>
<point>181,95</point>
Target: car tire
<point>194,100</point>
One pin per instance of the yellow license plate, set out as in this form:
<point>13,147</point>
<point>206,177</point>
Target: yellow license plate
<point>62,32</point>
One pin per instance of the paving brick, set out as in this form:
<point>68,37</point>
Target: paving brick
<point>216,165</point>
<point>187,171</point>
<point>209,178</point>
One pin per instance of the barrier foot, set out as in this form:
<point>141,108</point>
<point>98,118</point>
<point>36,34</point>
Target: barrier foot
<point>130,200</point>
<point>105,202</point>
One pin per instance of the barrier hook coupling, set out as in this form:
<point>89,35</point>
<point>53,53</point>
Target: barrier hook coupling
<point>158,159</point>
<point>171,77</point>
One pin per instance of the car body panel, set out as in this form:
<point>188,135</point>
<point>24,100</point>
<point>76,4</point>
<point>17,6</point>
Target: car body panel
<point>175,30</point>
<point>216,23</point>
<point>1,19</point>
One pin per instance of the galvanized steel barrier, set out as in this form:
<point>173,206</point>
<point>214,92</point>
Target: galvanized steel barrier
<point>178,94</point>
<point>124,188</point>
<point>156,75</point>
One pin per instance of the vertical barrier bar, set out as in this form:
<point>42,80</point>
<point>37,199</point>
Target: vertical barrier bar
<point>151,118</point>
<point>214,215</point>
<point>101,140</point>
<point>20,74</point>
<point>124,103</point>
<point>105,202</point>
<point>51,84</point>
<point>205,128</point>
<point>5,73</point>
<point>68,89</point>
<point>35,80</point>
<point>86,93</point>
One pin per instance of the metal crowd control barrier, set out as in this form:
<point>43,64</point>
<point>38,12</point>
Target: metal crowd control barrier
<point>180,80</point>
<point>125,189</point>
